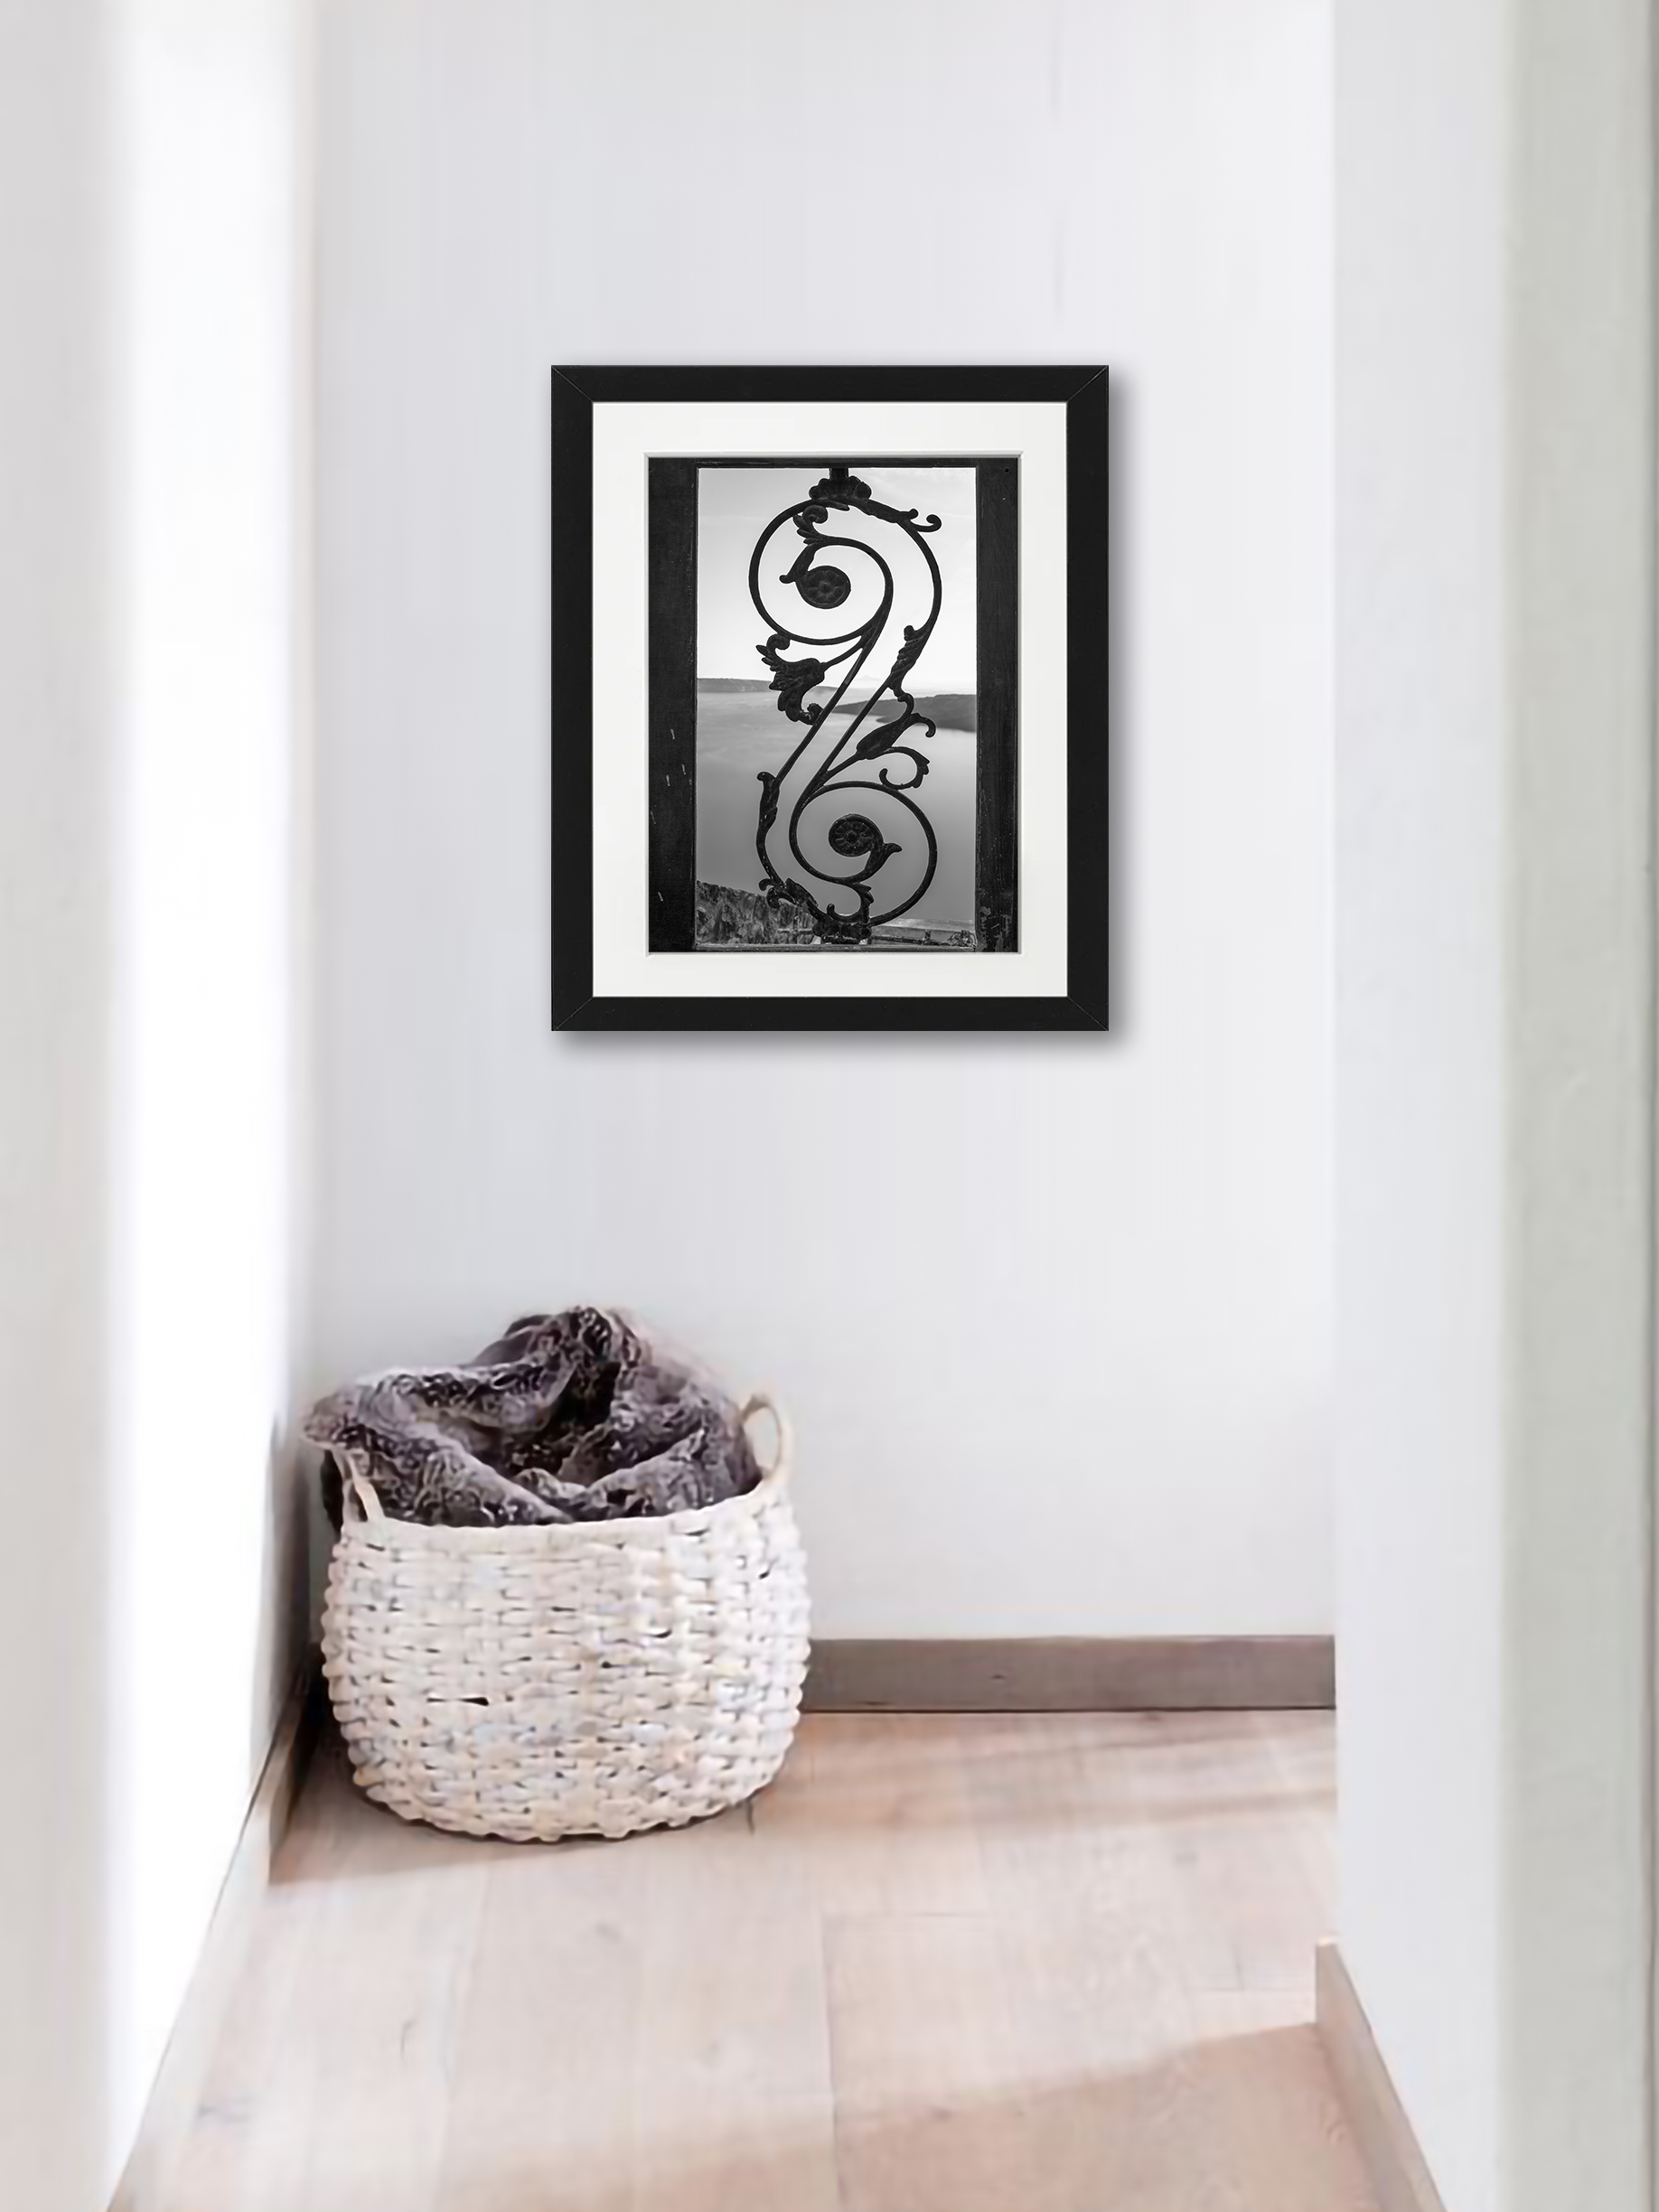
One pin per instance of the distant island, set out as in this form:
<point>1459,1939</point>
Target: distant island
<point>950,709</point>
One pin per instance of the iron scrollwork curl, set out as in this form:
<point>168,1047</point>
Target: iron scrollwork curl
<point>885,824</point>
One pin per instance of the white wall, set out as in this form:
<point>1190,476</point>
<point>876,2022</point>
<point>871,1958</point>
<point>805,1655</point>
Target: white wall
<point>1420,697</point>
<point>1055,1322</point>
<point>1494,1095</point>
<point>55,679</point>
<point>149,268</point>
<point>209,1530</point>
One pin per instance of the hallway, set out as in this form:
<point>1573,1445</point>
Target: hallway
<point>977,1964</point>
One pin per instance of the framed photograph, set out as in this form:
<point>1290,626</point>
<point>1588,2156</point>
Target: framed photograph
<point>829,685</point>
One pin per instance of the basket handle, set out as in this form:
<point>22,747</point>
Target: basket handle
<point>367,1496</point>
<point>762,1401</point>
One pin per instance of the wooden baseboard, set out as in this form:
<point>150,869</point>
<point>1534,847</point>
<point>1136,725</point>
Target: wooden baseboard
<point>1399,2172</point>
<point>144,2183</point>
<point>1073,1674</point>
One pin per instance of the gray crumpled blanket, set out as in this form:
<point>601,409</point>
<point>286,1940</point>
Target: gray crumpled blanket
<point>568,1417</point>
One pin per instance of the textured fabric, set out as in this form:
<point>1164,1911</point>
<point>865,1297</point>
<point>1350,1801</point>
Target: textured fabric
<point>566,1417</point>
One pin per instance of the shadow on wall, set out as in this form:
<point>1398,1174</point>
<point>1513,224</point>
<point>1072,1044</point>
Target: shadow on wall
<point>57,1847</point>
<point>1119,845</point>
<point>1119,695</point>
<point>284,1612</point>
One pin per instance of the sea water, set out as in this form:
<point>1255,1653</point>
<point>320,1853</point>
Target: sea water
<point>739,733</point>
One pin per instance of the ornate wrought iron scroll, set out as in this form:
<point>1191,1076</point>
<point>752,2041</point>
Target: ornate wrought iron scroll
<point>884,825</point>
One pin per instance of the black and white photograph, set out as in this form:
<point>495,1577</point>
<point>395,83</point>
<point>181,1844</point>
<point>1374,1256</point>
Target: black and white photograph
<point>838,629</point>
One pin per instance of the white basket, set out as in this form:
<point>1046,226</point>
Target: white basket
<point>589,1678</point>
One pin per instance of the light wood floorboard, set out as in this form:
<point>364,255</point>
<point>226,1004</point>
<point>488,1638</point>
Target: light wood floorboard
<point>953,1964</point>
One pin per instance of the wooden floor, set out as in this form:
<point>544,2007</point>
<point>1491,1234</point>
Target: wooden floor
<point>944,1964</point>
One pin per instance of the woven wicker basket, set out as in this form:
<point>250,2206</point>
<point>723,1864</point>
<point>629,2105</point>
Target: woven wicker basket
<point>585,1679</point>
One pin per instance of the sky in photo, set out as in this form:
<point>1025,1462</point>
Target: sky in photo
<point>733,505</point>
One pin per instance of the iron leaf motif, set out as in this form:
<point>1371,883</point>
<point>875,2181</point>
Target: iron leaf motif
<point>824,762</point>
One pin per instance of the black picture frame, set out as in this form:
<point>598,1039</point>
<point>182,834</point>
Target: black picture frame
<point>1084,393</point>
